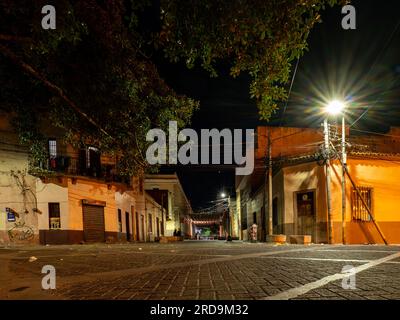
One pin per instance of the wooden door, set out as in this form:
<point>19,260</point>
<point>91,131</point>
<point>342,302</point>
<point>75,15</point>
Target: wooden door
<point>306,213</point>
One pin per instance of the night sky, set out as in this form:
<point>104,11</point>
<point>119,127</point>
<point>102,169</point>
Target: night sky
<point>360,66</point>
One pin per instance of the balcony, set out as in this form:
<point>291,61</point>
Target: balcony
<point>72,166</point>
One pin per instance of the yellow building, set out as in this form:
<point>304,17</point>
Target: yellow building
<point>299,188</point>
<point>76,196</point>
<point>169,193</point>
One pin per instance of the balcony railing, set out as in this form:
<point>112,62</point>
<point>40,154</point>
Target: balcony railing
<point>76,167</point>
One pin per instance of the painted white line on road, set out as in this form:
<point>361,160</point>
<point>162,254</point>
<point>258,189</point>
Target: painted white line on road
<point>358,250</point>
<point>327,259</point>
<point>296,292</point>
<point>319,259</point>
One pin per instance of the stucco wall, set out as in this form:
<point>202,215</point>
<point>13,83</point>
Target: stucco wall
<point>125,201</point>
<point>383,177</point>
<point>299,178</point>
<point>14,159</point>
<point>52,192</point>
<point>93,190</point>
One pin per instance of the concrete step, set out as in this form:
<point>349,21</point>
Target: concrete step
<point>300,239</point>
<point>276,238</point>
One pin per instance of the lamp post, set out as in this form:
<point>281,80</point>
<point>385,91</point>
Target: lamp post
<point>334,108</point>
<point>223,195</point>
<point>344,164</point>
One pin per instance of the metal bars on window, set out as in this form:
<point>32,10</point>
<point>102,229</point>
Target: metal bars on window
<point>358,209</point>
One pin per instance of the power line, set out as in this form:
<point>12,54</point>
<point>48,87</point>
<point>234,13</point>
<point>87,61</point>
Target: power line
<point>290,90</point>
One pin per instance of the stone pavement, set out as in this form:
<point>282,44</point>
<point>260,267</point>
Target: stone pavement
<point>201,270</point>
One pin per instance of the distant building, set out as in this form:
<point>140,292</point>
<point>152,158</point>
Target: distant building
<point>299,201</point>
<point>167,190</point>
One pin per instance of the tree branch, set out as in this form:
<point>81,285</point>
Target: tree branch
<point>30,70</point>
<point>7,37</point>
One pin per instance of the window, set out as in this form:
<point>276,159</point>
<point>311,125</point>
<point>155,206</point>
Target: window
<point>52,148</point>
<point>119,220</point>
<point>54,216</point>
<point>255,217</point>
<point>92,157</point>
<point>358,210</point>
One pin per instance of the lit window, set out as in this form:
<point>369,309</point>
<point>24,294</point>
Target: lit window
<point>54,216</point>
<point>52,148</point>
<point>358,210</point>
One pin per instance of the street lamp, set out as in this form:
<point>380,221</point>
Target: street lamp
<point>224,195</point>
<point>334,108</point>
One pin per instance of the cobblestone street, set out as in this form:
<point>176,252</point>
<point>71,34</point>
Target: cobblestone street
<point>201,270</point>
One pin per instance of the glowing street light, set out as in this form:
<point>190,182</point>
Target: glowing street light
<point>223,194</point>
<point>335,107</point>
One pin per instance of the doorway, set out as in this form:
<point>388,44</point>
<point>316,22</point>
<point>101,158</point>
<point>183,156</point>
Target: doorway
<point>275,217</point>
<point>127,227</point>
<point>137,226</point>
<point>158,227</point>
<point>143,237</point>
<point>93,223</point>
<point>305,202</point>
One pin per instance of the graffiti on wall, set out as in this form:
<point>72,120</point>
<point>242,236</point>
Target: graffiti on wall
<point>20,231</point>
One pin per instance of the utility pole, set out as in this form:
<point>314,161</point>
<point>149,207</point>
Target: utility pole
<point>328,180</point>
<point>344,164</point>
<point>229,219</point>
<point>270,229</point>
<point>264,208</point>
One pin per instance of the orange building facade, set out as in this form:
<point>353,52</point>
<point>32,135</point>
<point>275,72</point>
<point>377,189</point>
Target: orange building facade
<point>76,196</point>
<point>299,188</point>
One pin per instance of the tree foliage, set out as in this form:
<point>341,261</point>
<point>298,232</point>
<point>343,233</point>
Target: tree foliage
<point>95,76</point>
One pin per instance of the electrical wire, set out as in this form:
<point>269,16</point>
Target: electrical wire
<point>290,91</point>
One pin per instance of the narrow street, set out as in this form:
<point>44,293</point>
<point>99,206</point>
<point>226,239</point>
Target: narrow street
<point>195,270</point>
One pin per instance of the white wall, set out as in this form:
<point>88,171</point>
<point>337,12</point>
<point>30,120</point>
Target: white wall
<point>50,192</point>
<point>11,194</point>
<point>124,201</point>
